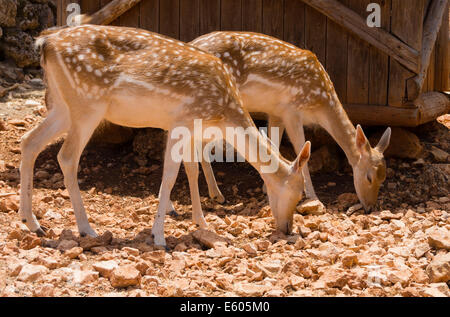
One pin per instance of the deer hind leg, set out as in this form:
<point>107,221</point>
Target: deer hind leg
<point>69,157</point>
<point>197,213</point>
<point>296,135</point>
<point>170,173</point>
<point>32,144</point>
<point>213,189</point>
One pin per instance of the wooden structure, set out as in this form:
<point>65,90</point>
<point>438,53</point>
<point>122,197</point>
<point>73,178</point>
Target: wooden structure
<point>379,73</point>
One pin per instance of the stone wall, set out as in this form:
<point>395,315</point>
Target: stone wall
<point>21,21</point>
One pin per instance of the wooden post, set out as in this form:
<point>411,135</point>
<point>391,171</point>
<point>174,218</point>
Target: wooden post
<point>431,28</point>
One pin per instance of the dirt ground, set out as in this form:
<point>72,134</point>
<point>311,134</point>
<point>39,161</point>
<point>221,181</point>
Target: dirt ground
<point>401,249</point>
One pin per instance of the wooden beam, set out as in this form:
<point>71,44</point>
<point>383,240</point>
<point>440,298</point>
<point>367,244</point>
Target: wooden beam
<point>383,115</point>
<point>110,12</point>
<point>377,37</point>
<point>432,105</point>
<point>431,28</point>
<point>426,108</point>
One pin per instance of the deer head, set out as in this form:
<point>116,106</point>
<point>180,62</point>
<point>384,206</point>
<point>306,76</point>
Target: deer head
<point>370,170</point>
<point>285,190</point>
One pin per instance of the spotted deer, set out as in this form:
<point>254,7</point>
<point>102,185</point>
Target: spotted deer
<point>138,79</point>
<point>291,86</point>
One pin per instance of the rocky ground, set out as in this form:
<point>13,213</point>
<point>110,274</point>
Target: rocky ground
<point>401,249</point>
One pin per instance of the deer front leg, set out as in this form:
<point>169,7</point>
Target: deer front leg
<point>296,135</point>
<point>170,173</point>
<point>69,158</point>
<point>32,144</point>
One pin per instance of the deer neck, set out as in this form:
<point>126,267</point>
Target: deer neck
<point>262,155</point>
<point>339,126</point>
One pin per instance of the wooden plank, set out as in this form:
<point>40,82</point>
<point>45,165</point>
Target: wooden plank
<point>375,36</point>
<point>406,18</point>
<point>252,13</point>
<point>406,24</point>
<point>431,29</point>
<point>189,20</point>
<point>442,56</point>
<point>209,16</point>
<point>231,15</point>
<point>150,15</point>
<point>273,18</point>
<point>379,63</point>
<point>59,12</point>
<point>316,33</point>
<point>131,17</point>
<point>358,62</point>
<point>337,61</point>
<point>398,75</point>
<point>169,18</point>
<point>90,6</point>
<point>294,22</point>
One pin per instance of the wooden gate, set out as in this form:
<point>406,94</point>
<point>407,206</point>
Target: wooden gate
<point>376,71</point>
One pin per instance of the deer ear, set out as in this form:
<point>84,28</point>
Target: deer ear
<point>384,141</point>
<point>303,157</point>
<point>361,140</point>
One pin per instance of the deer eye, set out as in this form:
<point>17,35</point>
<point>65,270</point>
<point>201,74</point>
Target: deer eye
<point>369,178</point>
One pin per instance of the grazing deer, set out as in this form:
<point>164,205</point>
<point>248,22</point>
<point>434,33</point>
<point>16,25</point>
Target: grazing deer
<point>140,79</point>
<point>292,87</point>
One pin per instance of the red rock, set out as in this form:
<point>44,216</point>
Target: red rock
<point>400,276</point>
<point>89,242</point>
<point>73,252</point>
<point>250,249</point>
<point>131,251</point>
<point>208,238</point>
<point>84,277</point>
<point>9,203</point>
<point>346,200</point>
<point>250,290</point>
<point>30,272</point>
<point>388,215</point>
<point>125,276</point>
<point>46,290</point>
<point>439,268</point>
<point>333,277</point>
<point>65,245</point>
<point>30,242</point>
<point>311,207</point>
<point>105,268</point>
<point>349,259</point>
<point>16,234</point>
<point>436,290</point>
<point>439,238</point>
